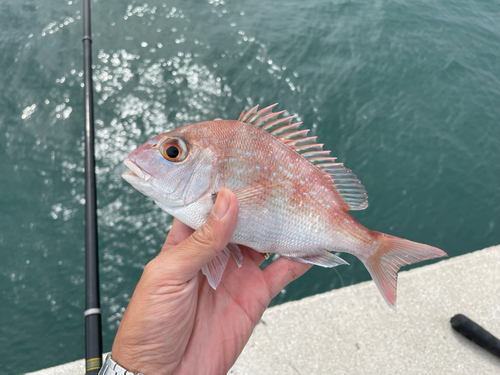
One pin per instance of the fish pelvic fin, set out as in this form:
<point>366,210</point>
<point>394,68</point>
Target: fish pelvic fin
<point>390,254</point>
<point>214,269</point>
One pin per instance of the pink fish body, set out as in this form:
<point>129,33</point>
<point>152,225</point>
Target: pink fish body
<point>293,196</point>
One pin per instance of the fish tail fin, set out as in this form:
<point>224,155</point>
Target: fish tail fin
<point>389,255</point>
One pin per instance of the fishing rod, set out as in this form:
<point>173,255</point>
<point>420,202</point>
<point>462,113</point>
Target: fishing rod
<point>92,314</point>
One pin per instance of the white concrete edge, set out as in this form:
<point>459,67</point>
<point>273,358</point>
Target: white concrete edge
<point>352,330</point>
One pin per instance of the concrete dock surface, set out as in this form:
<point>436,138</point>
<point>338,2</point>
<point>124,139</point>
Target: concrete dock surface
<point>352,331</point>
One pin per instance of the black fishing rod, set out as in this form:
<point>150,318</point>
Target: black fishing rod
<point>92,314</point>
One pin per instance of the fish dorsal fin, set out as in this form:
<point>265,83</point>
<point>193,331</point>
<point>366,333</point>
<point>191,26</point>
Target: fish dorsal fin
<point>345,182</point>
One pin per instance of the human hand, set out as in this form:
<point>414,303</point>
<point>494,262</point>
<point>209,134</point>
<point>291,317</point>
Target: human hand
<point>176,323</point>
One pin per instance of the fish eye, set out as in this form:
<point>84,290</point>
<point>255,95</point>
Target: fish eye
<point>174,149</point>
<point>172,152</point>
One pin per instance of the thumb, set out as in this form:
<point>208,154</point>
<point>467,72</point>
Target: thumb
<point>189,256</point>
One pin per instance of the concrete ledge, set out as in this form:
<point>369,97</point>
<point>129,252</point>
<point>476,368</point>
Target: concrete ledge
<point>352,331</point>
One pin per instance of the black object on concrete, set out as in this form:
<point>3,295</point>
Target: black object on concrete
<point>476,333</point>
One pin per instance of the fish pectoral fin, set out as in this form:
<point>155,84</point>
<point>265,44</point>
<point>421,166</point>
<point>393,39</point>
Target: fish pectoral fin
<point>325,259</point>
<point>249,192</point>
<point>214,269</point>
<point>249,195</point>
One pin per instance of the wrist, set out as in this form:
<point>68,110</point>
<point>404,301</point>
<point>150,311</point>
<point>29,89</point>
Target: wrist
<point>110,367</point>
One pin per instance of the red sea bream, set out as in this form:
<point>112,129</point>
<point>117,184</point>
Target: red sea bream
<point>293,196</point>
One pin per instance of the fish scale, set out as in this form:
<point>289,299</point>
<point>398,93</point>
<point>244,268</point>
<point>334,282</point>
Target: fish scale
<point>293,196</point>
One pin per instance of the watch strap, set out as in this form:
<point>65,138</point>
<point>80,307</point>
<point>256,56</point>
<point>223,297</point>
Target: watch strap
<point>110,367</point>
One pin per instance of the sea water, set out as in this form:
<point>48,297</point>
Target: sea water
<point>406,94</point>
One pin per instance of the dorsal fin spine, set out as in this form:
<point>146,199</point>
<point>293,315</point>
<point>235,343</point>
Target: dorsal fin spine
<point>249,113</point>
<point>316,154</point>
<point>241,115</point>
<point>348,186</point>
<point>320,161</point>
<point>302,141</point>
<point>277,123</point>
<point>286,129</point>
<point>294,135</point>
<point>326,165</point>
<point>265,119</point>
<point>317,147</point>
<point>263,112</point>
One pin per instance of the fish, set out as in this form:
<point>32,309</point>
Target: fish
<point>293,196</point>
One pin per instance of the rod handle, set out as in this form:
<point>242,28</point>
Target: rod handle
<point>475,333</point>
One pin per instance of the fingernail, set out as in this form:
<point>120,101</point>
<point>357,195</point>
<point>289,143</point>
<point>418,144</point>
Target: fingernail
<point>221,204</point>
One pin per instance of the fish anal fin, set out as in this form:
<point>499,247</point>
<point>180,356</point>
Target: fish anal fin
<point>392,253</point>
<point>325,259</point>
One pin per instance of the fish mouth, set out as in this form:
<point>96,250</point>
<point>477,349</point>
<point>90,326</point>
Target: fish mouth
<point>135,174</point>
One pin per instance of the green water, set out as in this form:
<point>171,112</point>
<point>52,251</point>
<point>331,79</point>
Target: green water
<point>407,94</point>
